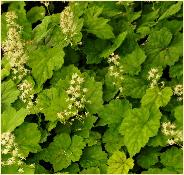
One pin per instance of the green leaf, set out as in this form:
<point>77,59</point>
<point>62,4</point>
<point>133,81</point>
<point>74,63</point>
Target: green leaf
<point>35,14</point>
<point>42,30</point>
<point>159,171</point>
<point>143,31</point>
<point>40,169</point>
<point>43,61</point>
<point>12,118</point>
<point>174,25</point>
<point>52,101</point>
<point>171,11</point>
<point>63,73</point>
<point>119,164</point>
<point>148,157</point>
<point>4,29</point>
<point>94,95</point>
<point>13,169</point>
<point>97,25</point>
<point>116,44</point>
<point>158,40</point>
<point>162,48</point>
<point>72,169</point>
<point>27,136</point>
<point>63,150</point>
<point>82,128</point>
<point>137,85</point>
<point>114,112</point>
<point>9,93</point>
<point>157,97</point>
<point>5,68</point>
<point>55,37</point>
<point>159,140</point>
<point>93,139</point>
<point>28,169</point>
<point>176,71</point>
<point>49,32</point>
<point>112,139</point>
<point>178,114</point>
<point>173,158</point>
<point>71,56</point>
<point>93,157</point>
<point>139,125</point>
<point>109,89</point>
<point>91,170</point>
<point>134,16</point>
<point>132,62</point>
<point>110,8</point>
<point>93,53</point>
<point>148,19</point>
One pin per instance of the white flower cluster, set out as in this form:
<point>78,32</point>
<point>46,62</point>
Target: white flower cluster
<point>11,150</point>
<point>178,90</point>
<point>13,47</point>
<point>27,93</point>
<point>76,98</point>
<point>153,76</point>
<point>67,24</point>
<point>115,69</point>
<point>169,129</point>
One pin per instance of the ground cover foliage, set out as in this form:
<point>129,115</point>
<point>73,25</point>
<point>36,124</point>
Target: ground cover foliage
<point>92,87</point>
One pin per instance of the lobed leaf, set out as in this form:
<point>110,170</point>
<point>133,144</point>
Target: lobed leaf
<point>119,164</point>
<point>140,124</point>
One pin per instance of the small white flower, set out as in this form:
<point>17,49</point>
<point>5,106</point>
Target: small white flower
<point>22,158</point>
<point>120,89</point>
<point>77,103</point>
<point>5,151</point>
<point>15,152</point>
<point>72,82</point>
<point>85,90</point>
<point>11,161</point>
<point>75,75</point>
<point>32,165</point>
<point>68,91</point>
<point>3,142</point>
<point>80,80</point>
<point>77,88</point>
<point>178,90</point>
<point>76,95</point>
<point>116,74</point>
<point>72,99</point>
<point>111,68</point>
<point>19,162</point>
<point>21,170</point>
<point>70,106</point>
<point>170,141</point>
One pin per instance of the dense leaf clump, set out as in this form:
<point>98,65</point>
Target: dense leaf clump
<point>92,87</point>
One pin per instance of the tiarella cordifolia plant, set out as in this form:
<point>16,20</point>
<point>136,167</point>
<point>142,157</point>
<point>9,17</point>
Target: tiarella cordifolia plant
<point>176,136</point>
<point>178,91</point>
<point>13,47</point>
<point>153,76</point>
<point>115,70</point>
<point>11,154</point>
<point>27,93</point>
<point>76,98</point>
<point>92,87</point>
